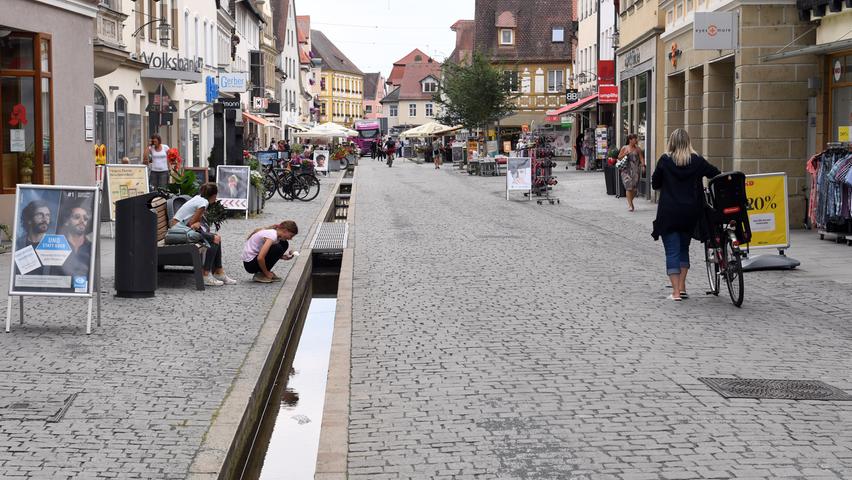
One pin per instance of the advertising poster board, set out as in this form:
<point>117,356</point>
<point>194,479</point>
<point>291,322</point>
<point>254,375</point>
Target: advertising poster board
<point>202,175</point>
<point>233,183</point>
<point>53,241</point>
<point>767,210</point>
<point>124,181</point>
<point>601,145</point>
<point>321,158</point>
<point>519,175</point>
<point>267,158</point>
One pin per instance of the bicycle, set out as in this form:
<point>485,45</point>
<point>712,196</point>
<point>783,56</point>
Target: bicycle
<point>725,209</point>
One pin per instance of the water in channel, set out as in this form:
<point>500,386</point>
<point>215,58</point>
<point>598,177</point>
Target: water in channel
<point>288,437</point>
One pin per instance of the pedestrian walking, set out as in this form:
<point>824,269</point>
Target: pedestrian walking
<point>678,177</point>
<point>578,146</point>
<point>390,146</point>
<point>634,166</point>
<point>264,247</point>
<point>436,153</point>
<point>157,161</point>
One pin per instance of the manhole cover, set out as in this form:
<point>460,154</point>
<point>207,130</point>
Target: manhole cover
<point>762,388</point>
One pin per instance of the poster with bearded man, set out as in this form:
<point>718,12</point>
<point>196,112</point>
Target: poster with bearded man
<point>53,241</point>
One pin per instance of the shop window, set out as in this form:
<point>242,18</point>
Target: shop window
<point>26,153</point>
<point>100,117</point>
<point>840,74</point>
<point>120,128</point>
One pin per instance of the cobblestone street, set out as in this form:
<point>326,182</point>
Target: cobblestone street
<point>143,388</point>
<point>496,339</point>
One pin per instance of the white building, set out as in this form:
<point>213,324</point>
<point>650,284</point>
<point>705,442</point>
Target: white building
<point>289,64</point>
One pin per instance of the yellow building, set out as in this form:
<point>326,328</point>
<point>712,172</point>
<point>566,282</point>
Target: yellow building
<point>341,92</point>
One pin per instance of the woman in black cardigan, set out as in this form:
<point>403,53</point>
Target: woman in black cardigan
<point>679,177</point>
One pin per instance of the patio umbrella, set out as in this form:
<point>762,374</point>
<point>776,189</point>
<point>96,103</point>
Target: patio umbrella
<point>426,130</point>
<point>328,130</point>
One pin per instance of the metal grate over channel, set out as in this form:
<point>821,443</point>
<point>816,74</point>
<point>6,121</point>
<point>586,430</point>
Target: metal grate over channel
<point>775,389</point>
<point>330,237</point>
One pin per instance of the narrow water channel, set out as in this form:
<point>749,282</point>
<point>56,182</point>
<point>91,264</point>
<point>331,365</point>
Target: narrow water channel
<point>288,436</point>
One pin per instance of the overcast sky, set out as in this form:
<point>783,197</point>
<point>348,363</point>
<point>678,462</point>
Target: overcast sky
<point>376,33</point>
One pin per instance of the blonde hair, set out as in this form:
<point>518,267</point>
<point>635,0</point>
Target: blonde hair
<point>680,148</point>
<point>288,225</point>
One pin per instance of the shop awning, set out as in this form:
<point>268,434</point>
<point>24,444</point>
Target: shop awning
<point>823,49</point>
<point>523,118</point>
<point>581,104</point>
<point>258,120</point>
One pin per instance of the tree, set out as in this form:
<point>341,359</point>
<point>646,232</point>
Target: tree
<point>473,95</point>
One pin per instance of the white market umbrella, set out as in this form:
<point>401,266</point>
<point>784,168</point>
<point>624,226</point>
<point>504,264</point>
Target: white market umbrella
<point>328,130</point>
<point>426,130</point>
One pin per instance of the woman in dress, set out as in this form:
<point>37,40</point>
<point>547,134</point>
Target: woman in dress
<point>633,169</point>
<point>157,160</point>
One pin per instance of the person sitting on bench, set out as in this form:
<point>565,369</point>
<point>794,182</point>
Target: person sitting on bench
<point>265,246</point>
<point>191,214</point>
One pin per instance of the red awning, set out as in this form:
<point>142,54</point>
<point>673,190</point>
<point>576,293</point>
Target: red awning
<point>574,106</point>
<point>258,120</point>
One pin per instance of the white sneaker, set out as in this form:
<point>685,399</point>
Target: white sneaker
<point>211,281</point>
<point>224,278</point>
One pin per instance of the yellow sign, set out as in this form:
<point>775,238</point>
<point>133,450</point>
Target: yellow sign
<point>843,134</point>
<point>125,181</point>
<point>767,210</point>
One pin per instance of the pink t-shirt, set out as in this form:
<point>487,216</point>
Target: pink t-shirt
<point>255,243</point>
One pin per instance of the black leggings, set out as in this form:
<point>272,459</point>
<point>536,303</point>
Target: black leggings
<point>213,256</point>
<point>276,251</point>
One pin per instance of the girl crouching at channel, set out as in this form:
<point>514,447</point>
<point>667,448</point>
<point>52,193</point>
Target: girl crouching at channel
<point>265,247</point>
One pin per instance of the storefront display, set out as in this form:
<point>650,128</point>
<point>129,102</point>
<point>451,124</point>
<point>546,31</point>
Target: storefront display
<point>840,99</point>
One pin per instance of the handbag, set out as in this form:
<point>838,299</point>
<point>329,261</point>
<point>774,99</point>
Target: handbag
<point>179,234</point>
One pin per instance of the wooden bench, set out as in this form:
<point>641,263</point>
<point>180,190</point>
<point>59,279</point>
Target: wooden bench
<point>186,255</point>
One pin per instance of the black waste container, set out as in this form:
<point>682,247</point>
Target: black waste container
<point>135,247</point>
<point>610,177</point>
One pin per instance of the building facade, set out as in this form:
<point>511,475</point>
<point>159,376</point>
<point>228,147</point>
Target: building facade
<point>411,103</point>
<point>341,89</point>
<point>47,69</point>
<point>741,112</point>
<point>532,43</point>
<point>288,66</point>
<point>374,92</point>
<point>640,64</point>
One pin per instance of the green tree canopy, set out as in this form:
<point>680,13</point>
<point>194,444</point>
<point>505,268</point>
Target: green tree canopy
<point>473,95</point>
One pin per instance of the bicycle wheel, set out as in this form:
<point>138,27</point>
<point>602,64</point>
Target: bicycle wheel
<point>310,187</point>
<point>285,187</point>
<point>270,184</point>
<point>712,269</point>
<point>734,273</point>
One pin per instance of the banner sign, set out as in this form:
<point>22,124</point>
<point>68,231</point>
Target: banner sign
<point>233,183</point>
<point>124,181</point>
<point>715,31</point>
<point>608,94</point>
<point>53,241</point>
<point>233,82</point>
<point>519,175</point>
<point>767,210</point>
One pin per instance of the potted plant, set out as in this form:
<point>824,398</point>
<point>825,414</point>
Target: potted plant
<point>26,162</point>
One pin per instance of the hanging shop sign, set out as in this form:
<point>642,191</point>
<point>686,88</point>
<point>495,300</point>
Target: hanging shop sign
<point>572,95</point>
<point>211,90</point>
<point>837,70</point>
<point>608,94</point>
<point>233,82</point>
<point>606,72</point>
<point>767,210</point>
<point>714,31</point>
<point>259,103</point>
<point>230,103</point>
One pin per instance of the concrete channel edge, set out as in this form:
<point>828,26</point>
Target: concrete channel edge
<point>232,427</point>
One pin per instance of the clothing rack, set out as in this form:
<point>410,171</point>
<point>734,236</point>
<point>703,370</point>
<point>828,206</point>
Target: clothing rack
<point>830,199</point>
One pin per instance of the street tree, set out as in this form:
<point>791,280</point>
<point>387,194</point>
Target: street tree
<point>473,94</point>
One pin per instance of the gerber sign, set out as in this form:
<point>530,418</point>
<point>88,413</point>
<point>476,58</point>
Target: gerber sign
<point>715,31</point>
<point>233,82</point>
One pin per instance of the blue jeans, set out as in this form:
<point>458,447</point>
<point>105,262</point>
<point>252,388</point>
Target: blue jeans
<point>676,245</point>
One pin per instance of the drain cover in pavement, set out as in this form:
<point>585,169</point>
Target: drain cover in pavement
<point>782,389</point>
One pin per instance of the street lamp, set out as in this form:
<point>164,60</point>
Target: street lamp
<point>164,28</point>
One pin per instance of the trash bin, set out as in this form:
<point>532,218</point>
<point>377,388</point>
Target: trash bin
<point>610,176</point>
<point>136,247</point>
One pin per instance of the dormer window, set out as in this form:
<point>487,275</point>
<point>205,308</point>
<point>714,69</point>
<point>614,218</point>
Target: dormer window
<point>430,86</point>
<point>506,24</point>
<point>507,36</point>
<point>558,35</point>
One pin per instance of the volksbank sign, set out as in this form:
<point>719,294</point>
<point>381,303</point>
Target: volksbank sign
<point>167,67</point>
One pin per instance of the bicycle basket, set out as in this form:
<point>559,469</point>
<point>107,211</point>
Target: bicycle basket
<point>730,203</point>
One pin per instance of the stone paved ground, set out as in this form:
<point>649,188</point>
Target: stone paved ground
<point>146,383</point>
<point>496,339</point>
